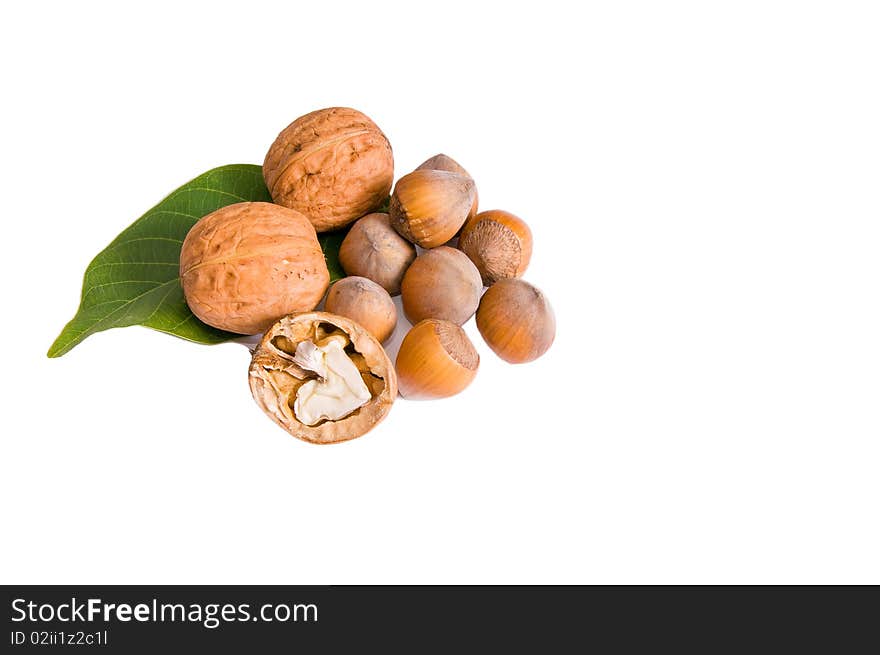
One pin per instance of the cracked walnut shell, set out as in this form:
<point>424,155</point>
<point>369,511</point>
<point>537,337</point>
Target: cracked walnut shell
<point>334,165</point>
<point>280,378</point>
<point>244,265</point>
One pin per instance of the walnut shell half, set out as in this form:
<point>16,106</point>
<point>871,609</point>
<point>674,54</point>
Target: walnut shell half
<point>275,378</point>
<point>334,165</point>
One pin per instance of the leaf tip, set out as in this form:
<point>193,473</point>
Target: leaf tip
<point>55,350</point>
<point>61,345</point>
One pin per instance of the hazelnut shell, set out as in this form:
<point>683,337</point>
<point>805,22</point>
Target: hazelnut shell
<point>273,376</point>
<point>443,162</point>
<point>244,265</point>
<point>374,250</point>
<point>428,207</point>
<point>364,302</point>
<point>436,360</point>
<point>334,165</point>
<point>516,320</point>
<point>441,283</point>
<point>498,243</point>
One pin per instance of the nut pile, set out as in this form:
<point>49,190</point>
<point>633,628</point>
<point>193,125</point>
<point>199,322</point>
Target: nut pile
<point>258,268</point>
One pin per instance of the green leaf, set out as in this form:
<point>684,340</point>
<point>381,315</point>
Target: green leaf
<point>134,280</point>
<point>330,242</point>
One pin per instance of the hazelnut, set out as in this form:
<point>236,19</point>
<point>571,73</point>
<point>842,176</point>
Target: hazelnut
<point>516,320</point>
<point>372,249</point>
<point>499,243</point>
<point>428,207</point>
<point>364,302</point>
<point>436,360</point>
<point>322,377</point>
<point>443,162</point>
<point>441,283</point>
<point>333,165</point>
<point>244,265</point>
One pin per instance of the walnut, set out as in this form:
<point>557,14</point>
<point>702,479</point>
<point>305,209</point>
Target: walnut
<point>333,165</point>
<point>245,265</point>
<point>322,377</point>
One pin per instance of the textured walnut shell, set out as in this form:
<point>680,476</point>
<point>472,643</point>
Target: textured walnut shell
<point>274,377</point>
<point>244,265</point>
<point>333,165</point>
<point>428,207</point>
<point>443,162</point>
<point>498,243</point>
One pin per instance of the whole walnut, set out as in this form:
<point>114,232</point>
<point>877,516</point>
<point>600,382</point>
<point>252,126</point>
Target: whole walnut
<point>333,165</point>
<point>245,265</point>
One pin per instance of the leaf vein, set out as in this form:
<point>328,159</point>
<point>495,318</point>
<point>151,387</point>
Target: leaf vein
<point>156,210</point>
<point>158,306</point>
<point>116,311</point>
<point>208,189</point>
<point>177,325</point>
<point>134,264</point>
<point>114,246</point>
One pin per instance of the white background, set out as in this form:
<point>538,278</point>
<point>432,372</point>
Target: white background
<point>703,183</point>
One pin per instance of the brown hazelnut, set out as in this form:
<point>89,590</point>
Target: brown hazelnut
<point>428,207</point>
<point>436,360</point>
<point>364,302</point>
<point>443,162</point>
<point>499,243</point>
<point>322,377</point>
<point>516,320</point>
<point>441,283</point>
<point>333,165</point>
<point>374,250</point>
<point>244,265</point>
